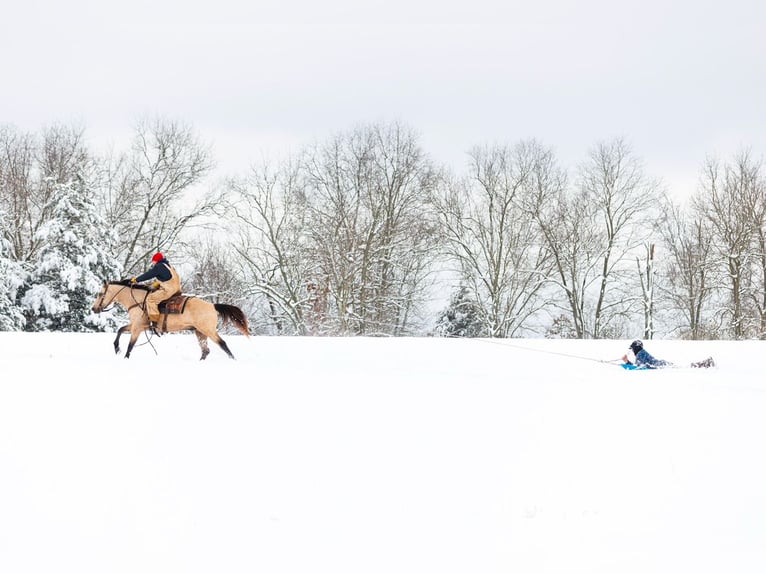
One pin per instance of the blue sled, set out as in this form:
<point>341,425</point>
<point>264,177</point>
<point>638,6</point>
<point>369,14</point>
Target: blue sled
<point>632,367</point>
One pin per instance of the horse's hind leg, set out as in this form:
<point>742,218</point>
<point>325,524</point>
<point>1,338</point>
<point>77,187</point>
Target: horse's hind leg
<point>221,343</point>
<point>120,331</point>
<point>208,329</point>
<point>202,338</point>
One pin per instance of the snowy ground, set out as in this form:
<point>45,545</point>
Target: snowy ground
<point>358,456</point>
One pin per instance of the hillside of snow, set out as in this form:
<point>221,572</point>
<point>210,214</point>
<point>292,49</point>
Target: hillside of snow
<point>378,456</point>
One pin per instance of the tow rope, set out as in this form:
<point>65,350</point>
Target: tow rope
<point>523,348</point>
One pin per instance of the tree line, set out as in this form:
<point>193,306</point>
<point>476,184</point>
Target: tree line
<point>364,234</point>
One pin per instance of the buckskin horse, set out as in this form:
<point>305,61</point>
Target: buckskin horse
<point>198,316</point>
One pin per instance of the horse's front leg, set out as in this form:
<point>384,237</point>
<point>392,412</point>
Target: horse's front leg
<point>136,326</point>
<point>120,331</point>
<point>135,331</point>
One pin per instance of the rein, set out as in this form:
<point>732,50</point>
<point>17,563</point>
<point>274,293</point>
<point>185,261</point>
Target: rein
<point>135,301</point>
<point>108,306</point>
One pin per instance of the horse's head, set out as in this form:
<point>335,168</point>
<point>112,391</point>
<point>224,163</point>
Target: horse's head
<point>117,292</point>
<point>99,304</point>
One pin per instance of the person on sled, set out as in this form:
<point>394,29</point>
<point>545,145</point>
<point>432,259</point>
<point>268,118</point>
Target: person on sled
<point>642,359</point>
<point>168,284</point>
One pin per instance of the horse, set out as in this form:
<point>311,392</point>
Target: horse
<point>198,315</point>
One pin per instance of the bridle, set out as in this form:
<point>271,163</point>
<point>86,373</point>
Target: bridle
<point>107,306</point>
<point>110,304</point>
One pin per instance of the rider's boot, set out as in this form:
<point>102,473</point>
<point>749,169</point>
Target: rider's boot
<point>154,321</point>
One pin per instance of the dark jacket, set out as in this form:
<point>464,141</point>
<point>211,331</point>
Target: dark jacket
<point>160,271</point>
<point>644,359</point>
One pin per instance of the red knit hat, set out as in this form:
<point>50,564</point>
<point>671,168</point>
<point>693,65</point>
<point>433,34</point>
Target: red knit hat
<point>157,257</point>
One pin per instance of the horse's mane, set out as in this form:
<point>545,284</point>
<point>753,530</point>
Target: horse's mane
<point>127,283</point>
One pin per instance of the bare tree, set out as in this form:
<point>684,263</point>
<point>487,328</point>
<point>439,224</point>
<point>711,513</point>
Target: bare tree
<point>592,231</point>
<point>728,200</point>
<point>567,227</point>
<point>17,160</point>
<point>271,241</point>
<point>688,274</point>
<point>371,229</point>
<point>758,290</point>
<point>338,240</point>
<point>214,274</point>
<point>646,276</point>
<point>499,251</point>
<point>149,192</point>
<point>32,168</point>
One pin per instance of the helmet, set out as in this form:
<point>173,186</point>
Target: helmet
<point>636,346</point>
<point>157,257</point>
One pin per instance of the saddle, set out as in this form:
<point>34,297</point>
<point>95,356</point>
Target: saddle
<point>174,305</point>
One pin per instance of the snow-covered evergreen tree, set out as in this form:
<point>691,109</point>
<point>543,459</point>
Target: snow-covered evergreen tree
<point>11,317</point>
<point>463,317</point>
<point>75,259</point>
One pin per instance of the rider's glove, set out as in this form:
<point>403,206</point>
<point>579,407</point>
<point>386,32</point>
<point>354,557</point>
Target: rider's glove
<point>132,280</point>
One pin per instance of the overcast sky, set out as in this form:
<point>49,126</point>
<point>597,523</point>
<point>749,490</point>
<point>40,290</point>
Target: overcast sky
<point>679,80</point>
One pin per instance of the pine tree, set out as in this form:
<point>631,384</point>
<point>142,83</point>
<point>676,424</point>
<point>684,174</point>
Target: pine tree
<point>75,259</point>
<point>11,317</point>
<point>462,318</point>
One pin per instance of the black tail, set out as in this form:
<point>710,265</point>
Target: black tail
<point>230,313</point>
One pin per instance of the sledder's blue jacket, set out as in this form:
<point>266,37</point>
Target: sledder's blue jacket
<point>160,271</point>
<point>644,359</point>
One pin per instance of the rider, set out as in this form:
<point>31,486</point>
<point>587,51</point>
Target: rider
<point>169,284</point>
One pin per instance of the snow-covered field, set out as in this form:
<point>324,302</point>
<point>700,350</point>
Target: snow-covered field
<point>358,456</point>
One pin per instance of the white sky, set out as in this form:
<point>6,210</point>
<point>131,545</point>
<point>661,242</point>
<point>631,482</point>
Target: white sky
<point>678,80</point>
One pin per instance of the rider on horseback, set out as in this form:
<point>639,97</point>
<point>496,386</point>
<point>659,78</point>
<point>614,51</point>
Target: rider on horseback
<point>169,283</point>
